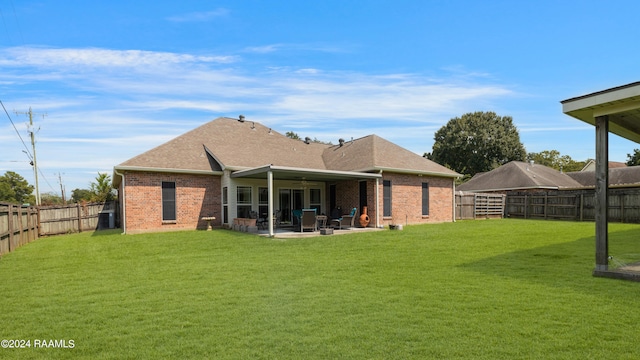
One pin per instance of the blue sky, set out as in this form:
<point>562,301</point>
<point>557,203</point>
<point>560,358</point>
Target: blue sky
<point>116,78</point>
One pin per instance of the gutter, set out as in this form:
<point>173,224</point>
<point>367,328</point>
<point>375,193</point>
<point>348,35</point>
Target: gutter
<point>168,170</point>
<point>411,171</point>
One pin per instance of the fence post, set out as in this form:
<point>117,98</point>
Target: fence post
<point>38,223</point>
<point>79,217</point>
<point>10,225</point>
<point>546,203</point>
<point>20,227</point>
<point>621,197</point>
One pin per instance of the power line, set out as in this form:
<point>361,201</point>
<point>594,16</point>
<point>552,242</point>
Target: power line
<point>6,26</point>
<point>32,133</point>
<point>17,22</point>
<point>17,132</point>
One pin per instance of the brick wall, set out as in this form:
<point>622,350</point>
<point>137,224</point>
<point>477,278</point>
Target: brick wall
<point>406,198</point>
<point>196,196</point>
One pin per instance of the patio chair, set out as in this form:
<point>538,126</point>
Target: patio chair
<point>296,219</point>
<point>308,220</point>
<point>346,220</point>
<point>277,218</point>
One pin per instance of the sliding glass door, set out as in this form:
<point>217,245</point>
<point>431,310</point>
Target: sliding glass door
<point>289,200</point>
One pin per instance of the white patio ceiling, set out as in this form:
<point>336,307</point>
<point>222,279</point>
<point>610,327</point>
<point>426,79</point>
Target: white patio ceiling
<point>621,104</point>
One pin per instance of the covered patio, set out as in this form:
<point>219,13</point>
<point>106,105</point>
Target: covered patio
<point>288,233</point>
<point>270,173</point>
<point>615,110</point>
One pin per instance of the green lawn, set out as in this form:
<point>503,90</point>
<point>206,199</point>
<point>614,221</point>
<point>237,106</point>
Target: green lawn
<point>496,289</point>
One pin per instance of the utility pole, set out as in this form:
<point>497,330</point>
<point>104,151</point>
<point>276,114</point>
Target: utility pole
<point>64,199</point>
<point>33,145</point>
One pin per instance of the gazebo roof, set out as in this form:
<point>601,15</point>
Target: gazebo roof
<point>621,104</point>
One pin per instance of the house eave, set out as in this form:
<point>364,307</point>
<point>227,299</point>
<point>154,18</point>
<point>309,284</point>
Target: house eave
<point>121,168</point>
<point>515,189</point>
<point>411,171</point>
<point>295,173</point>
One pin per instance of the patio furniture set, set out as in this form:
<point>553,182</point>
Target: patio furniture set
<point>307,220</point>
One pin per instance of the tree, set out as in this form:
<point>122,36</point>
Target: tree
<point>295,136</point>
<point>78,195</point>
<point>101,189</point>
<point>477,142</point>
<point>292,135</point>
<point>553,159</point>
<point>14,188</point>
<point>50,198</point>
<point>633,159</point>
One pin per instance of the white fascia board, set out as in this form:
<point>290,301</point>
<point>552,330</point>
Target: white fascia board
<point>411,171</point>
<point>294,170</point>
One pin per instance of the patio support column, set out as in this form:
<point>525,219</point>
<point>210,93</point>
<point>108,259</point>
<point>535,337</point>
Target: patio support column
<point>602,193</point>
<point>270,200</point>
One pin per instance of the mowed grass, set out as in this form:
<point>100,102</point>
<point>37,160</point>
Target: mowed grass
<point>496,289</point>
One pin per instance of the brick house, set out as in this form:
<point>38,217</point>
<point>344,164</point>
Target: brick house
<point>228,168</point>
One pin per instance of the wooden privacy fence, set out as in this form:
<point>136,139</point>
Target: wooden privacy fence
<point>624,205</point>
<point>18,226</point>
<point>479,205</point>
<point>55,220</point>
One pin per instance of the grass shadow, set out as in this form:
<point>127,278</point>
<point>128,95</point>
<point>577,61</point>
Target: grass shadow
<point>562,265</point>
<point>106,232</point>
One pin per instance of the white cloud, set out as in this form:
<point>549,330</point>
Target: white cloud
<point>105,106</point>
<point>264,49</point>
<point>103,58</point>
<point>199,16</point>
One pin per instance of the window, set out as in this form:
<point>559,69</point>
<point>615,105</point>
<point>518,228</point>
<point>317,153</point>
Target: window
<point>425,199</point>
<point>263,202</point>
<point>168,201</point>
<point>315,202</point>
<point>225,206</point>
<point>243,201</point>
<point>386,195</point>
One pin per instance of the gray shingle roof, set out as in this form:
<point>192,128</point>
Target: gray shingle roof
<point>619,176</point>
<point>372,152</point>
<point>519,175</point>
<point>229,143</point>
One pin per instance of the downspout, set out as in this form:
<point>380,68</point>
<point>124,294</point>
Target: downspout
<point>124,203</point>
<point>378,201</point>
<point>454,199</point>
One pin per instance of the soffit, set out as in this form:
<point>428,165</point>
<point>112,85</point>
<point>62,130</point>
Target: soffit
<point>621,104</point>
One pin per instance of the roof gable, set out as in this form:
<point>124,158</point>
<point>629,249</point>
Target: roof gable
<point>230,143</point>
<point>372,153</point>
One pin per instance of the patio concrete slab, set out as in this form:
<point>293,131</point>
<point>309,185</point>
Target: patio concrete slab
<point>290,234</point>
